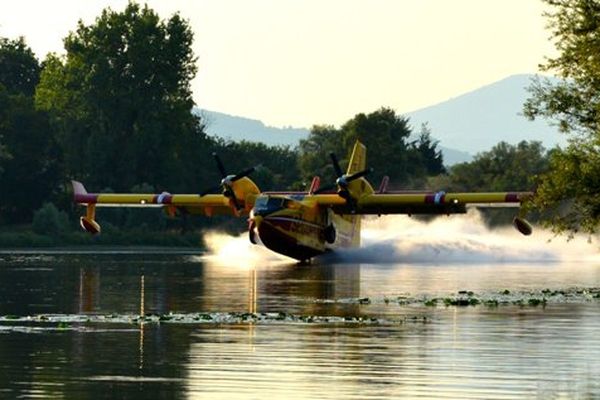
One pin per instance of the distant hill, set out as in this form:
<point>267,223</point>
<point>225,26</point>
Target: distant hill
<point>477,120</point>
<point>464,125</point>
<point>240,128</point>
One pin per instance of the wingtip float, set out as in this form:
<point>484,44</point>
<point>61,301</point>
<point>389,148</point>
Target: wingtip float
<point>302,225</point>
<point>88,222</point>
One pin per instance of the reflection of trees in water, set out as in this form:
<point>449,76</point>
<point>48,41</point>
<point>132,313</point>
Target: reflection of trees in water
<point>279,288</point>
<point>295,288</point>
<point>88,364</point>
<point>195,359</point>
<point>36,284</point>
<point>141,284</point>
<point>111,284</point>
<point>89,289</point>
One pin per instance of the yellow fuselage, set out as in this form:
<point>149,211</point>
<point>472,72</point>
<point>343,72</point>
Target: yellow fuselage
<point>299,228</point>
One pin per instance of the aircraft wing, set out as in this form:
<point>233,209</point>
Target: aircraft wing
<point>209,204</point>
<point>421,203</point>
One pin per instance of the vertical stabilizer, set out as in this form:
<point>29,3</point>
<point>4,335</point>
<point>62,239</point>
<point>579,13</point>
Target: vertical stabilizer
<point>358,159</point>
<point>358,162</point>
<point>356,189</point>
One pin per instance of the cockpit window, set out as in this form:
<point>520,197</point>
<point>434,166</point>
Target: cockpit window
<point>268,204</point>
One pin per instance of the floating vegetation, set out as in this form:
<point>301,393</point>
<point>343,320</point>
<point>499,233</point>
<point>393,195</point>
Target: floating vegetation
<point>461,301</point>
<point>431,302</point>
<point>76,321</point>
<point>491,303</point>
<point>536,302</point>
<point>468,298</point>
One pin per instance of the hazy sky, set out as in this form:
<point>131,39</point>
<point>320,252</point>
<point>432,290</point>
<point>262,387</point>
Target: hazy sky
<point>292,62</point>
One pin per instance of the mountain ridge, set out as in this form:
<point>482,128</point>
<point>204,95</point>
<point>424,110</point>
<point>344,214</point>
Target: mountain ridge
<point>480,118</point>
<point>464,125</point>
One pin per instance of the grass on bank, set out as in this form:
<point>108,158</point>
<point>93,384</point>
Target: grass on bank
<point>53,228</point>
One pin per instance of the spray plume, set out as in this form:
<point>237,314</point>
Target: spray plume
<point>401,239</point>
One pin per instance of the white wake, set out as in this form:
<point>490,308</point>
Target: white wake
<point>401,239</point>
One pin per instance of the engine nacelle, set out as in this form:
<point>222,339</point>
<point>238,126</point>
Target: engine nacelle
<point>89,225</point>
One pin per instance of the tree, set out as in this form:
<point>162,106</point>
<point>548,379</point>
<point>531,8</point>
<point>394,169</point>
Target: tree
<point>505,167</point>
<point>33,172</point>
<point>430,155</point>
<point>386,136</point>
<point>569,192</point>
<point>276,165</point>
<point>313,157</point>
<point>4,154</point>
<point>20,72</point>
<point>121,100</point>
<point>30,160</point>
<point>48,220</point>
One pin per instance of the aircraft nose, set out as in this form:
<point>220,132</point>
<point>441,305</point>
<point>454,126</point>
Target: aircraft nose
<point>256,220</point>
<point>260,212</point>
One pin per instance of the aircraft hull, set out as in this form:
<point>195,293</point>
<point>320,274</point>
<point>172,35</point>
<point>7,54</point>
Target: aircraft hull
<point>283,236</point>
<point>302,239</point>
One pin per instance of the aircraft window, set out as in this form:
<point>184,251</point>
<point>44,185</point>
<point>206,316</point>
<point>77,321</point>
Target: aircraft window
<point>275,203</point>
<point>268,203</point>
<point>261,202</point>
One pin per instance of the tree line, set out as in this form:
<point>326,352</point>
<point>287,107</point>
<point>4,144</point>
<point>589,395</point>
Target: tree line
<point>115,111</point>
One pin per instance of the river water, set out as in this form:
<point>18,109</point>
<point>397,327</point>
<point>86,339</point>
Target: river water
<point>237,324</point>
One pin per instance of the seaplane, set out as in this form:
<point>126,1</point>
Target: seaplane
<point>303,225</point>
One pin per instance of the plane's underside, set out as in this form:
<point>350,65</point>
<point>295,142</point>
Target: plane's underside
<point>301,239</point>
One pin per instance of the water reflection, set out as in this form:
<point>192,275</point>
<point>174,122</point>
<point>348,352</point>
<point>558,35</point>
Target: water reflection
<point>481,352</point>
<point>161,285</point>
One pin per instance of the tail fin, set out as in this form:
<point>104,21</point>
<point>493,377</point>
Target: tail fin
<point>78,188</point>
<point>358,162</point>
<point>358,159</point>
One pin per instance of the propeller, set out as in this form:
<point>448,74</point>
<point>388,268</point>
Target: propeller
<point>226,182</point>
<point>343,180</point>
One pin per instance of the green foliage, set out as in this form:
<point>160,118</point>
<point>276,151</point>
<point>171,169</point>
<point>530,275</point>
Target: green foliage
<point>314,152</point>
<point>30,160</point>
<point>430,155</point>
<point>505,167</point>
<point>4,154</point>
<point>569,191</point>
<point>121,100</point>
<point>48,220</point>
<point>19,69</point>
<point>386,136</point>
<point>276,165</point>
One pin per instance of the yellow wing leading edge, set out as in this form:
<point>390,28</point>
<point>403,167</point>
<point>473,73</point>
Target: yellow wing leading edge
<point>353,196</point>
<point>209,205</point>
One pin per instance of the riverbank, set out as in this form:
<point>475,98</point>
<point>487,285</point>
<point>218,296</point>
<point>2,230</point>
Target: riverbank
<point>24,237</point>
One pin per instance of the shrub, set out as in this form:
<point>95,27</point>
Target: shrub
<point>48,220</point>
